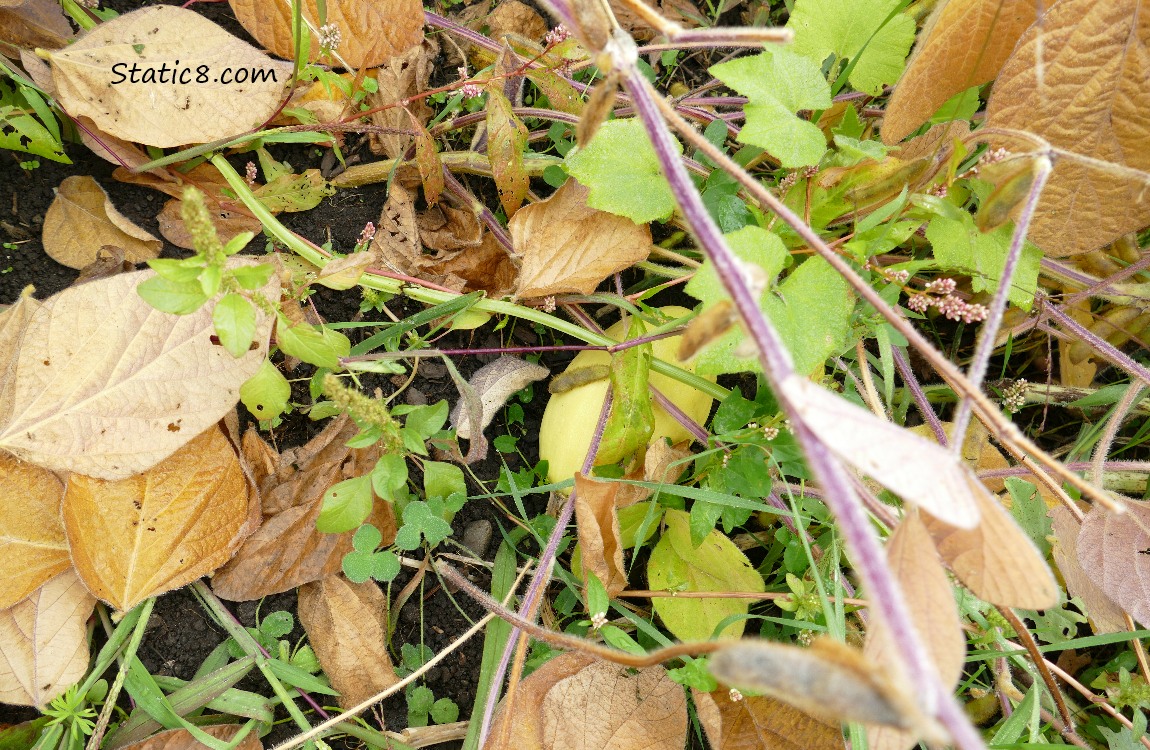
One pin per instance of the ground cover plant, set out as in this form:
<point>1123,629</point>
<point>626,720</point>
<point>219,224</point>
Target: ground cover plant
<point>788,357</point>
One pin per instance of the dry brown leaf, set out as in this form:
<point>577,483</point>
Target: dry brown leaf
<point>759,722</point>
<point>182,739</point>
<point>518,724</point>
<point>400,78</point>
<point>370,31</point>
<point>1114,552</point>
<point>34,23</point>
<point>13,323</point>
<point>495,383</point>
<point>1094,101</point>
<point>487,268</point>
<point>44,642</point>
<point>657,467</point>
<point>598,526</point>
<point>346,624</point>
<point>88,77</point>
<point>506,143</point>
<point>963,44</point>
<point>82,219</point>
<point>32,544</point>
<point>344,272</point>
<point>511,17</point>
<point>447,228</point>
<point>109,262</point>
<point>932,143</point>
<point>287,550</point>
<point>105,385</point>
<point>996,560</point>
<point>926,588</point>
<point>682,12</point>
<point>1105,616</point>
<point>162,529</point>
<point>567,246</point>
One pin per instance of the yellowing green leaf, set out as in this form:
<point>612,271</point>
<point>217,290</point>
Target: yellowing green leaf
<point>631,421</point>
<point>622,172</point>
<point>506,142</point>
<point>869,30</point>
<point>779,83</point>
<point>715,565</point>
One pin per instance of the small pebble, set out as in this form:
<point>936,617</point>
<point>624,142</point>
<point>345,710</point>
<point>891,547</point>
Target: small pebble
<point>415,397</point>
<point>477,536</point>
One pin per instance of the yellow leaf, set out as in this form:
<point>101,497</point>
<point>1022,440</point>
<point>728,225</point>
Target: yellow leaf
<point>160,530</point>
<point>758,722</point>
<point>32,544</point>
<point>82,218</point>
<point>1091,101</point>
<point>598,526</point>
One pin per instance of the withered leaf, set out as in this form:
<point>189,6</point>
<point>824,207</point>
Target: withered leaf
<point>370,31</point>
<point>996,560</point>
<point>346,624</point>
<point>182,739</point>
<point>162,529</point>
<point>487,267</point>
<point>758,722</point>
<point>1112,550</point>
<point>398,79</point>
<point>44,642</point>
<point>34,23</point>
<point>962,44</point>
<point>448,229</point>
<point>495,383</point>
<point>1092,101</point>
<point>13,323</point>
<point>518,724</point>
<point>567,246</point>
<point>598,527</point>
<point>33,548</point>
<point>88,80</point>
<point>105,385</point>
<point>506,142</point>
<point>287,550</point>
<point>1105,615</point>
<point>82,218</point>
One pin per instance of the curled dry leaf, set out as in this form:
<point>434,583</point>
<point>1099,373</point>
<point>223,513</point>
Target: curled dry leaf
<point>33,548</point>
<point>162,529</point>
<point>91,79</point>
<point>567,246</point>
<point>1105,615</point>
<point>182,739</point>
<point>346,624</point>
<point>487,267</point>
<point>574,702</point>
<point>370,31</point>
<point>44,643</point>
<point>598,525</point>
<point>446,228</point>
<point>399,78</point>
<point>996,560</point>
<point>105,385</point>
<point>1092,101</point>
<point>962,44</point>
<point>758,722</point>
<point>926,588</point>
<point>287,550</point>
<point>495,383</point>
<point>34,23</point>
<point>830,680</point>
<point>921,472</point>
<point>1111,551</point>
<point>82,219</point>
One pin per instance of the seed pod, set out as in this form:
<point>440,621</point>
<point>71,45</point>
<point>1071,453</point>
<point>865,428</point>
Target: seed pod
<point>1012,182</point>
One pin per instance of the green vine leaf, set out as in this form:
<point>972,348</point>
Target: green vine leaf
<point>959,246</point>
<point>622,173</point>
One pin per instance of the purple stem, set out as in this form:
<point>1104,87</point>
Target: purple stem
<point>1104,284</point>
<point>919,396</point>
<point>1015,471</point>
<point>1109,352</point>
<point>985,347</point>
<point>483,212</point>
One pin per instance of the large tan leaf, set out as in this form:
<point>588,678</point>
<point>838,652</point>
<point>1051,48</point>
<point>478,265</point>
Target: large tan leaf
<point>346,624</point>
<point>162,529</point>
<point>82,218</point>
<point>1112,551</point>
<point>963,44</point>
<point>34,23</point>
<point>598,525</point>
<point>13,323</point>
<point>32,544</point>
<point>182,739</point>
<point>107,386</point>
<point>926,588</point>
<point>996,560</point>
<point>759,722</point>
<point>92,78</point>
<point>370,31</point>
<point>287,550</point>
<point>43,641</point>
<point>1105,615</point>
<point>567,246</point>
<point>518,725</point>
<point>1093,101</point>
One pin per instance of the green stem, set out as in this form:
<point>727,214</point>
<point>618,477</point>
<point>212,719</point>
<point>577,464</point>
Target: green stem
<point>318,258</point>
<point>138,628</point>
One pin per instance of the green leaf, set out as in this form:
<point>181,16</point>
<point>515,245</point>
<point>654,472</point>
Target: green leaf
<point>322,347</point>
<point>20,131</point>
<point>179,271</point>
<point>291,192</point>
<point>266,393</point>
<point>357,566</point>
<point>346,505</point>
<point>618,638</point>
<point>442,479</point>
<point>425,421</point>
<point>277,624</point>
<point>419,701</point>
<point>444,711</point>
<point>597,599</point>
<point>694,674</point>
<point>812,313</point>
<point>622,173</point>
<point>389,477</point>
<point>716,565</point>
<point>505,443</point>
<point>385,566</point>
<point>172,297</point>
<point>1029,509</point>
<point>234,319</point>
<point>253,277</point>
<point>844,27</point>
<point>632,420</point>
<point>959,246</point>
<point>419,520</point>
<point>778,83</point>
<point>367,538</point>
